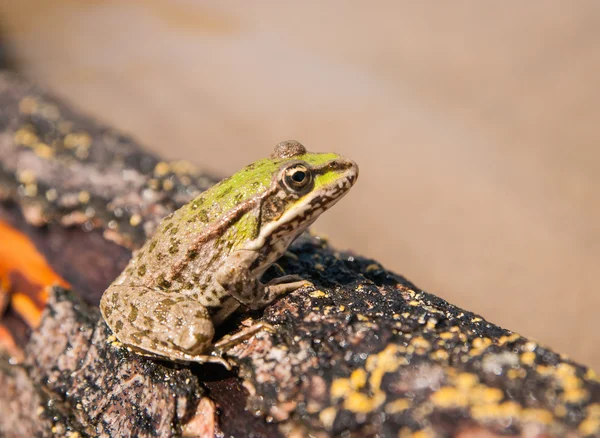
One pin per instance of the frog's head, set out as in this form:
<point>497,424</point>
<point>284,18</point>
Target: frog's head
<point>303,185</point>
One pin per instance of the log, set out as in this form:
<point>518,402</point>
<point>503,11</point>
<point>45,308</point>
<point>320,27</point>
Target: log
<point>359,352</point>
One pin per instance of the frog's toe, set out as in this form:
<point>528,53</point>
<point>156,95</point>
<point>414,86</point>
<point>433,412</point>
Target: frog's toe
<point>230,341</point>
<point>287,279</point>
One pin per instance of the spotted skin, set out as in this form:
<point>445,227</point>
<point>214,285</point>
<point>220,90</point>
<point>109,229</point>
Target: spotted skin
<point>206,259</point>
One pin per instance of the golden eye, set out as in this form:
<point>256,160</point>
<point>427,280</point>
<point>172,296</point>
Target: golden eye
<point>298,178</point>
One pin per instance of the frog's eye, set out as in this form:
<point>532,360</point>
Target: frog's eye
<point>297,178</point>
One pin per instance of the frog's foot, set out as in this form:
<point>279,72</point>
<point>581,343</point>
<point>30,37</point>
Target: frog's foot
<point>286,279</point>
<point>179,357</point>
<point>283,285</point>
<point>204,358</point>
<point>232,340</point>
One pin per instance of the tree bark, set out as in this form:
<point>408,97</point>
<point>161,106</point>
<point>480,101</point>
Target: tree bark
<point>360,352</point>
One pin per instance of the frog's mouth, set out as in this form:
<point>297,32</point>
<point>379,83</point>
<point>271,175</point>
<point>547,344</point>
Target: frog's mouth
<point>294,221</point>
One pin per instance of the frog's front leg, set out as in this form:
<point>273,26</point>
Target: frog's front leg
<point>238,278</point>
<point>160,323</point>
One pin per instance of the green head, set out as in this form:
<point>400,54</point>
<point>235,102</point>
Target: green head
<point>299,187</point>
<point>272,200</point>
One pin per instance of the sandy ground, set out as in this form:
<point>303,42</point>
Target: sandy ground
<point>476,126</point>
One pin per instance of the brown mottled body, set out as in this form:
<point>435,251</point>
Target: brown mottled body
<point>206,259</point>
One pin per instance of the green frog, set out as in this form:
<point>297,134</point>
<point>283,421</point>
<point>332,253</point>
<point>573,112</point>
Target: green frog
<point>206,259</point>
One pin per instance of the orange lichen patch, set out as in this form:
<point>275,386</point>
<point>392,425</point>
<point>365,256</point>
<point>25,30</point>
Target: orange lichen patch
<point>9,346</point>
<point>26,274</point>
<point>27,308</point>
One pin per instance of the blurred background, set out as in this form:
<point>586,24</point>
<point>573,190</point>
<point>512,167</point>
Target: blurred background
<point>476,126</point>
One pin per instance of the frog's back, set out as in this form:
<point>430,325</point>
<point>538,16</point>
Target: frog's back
<point>192,242</point>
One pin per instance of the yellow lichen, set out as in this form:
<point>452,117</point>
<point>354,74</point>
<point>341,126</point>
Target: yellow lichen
<point>537,416</point>
<point>83,197</point>
<point>362,403</point>
<point>423,433</point>
<point>420,343</point>
<point>466,381</point>
<point>510,338</point>
<point>318,294</point>
<point>77,139</point>
<point>51,195</point>
<point>479,345</point>
<point>528,358</point>
<point>449,397</point>
<point>182,167</point>
<point>576,395</point>
<point>168,184</point>
<point>440,355</point>
<point>30,190</point>
<point>564,369</point>
<point>340,388</point>
<point>358,378</point>
<point>135,220</point>
<point>26,176</point>
<point>386,361</point>
<point>591,424</point>
<point>42,150</point>
<point>507,409</point>
<point>590,374</point>
<point>544,370</point>
<point>515,373</point>
<point>482,394</point>
<point>327,416</point>
<point>431,324</point>
<point>25,137</point>
<point>376,367</point>
<point>399,405</point>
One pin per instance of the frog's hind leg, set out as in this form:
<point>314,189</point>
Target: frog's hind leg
<point>166,324</point>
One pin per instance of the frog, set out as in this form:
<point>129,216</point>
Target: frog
<point>205,261</point>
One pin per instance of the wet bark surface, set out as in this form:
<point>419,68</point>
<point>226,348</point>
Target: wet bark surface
<point>360,351</point>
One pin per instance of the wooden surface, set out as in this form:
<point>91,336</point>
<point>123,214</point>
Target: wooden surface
<point>476,126</point>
